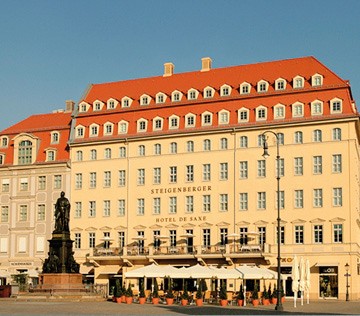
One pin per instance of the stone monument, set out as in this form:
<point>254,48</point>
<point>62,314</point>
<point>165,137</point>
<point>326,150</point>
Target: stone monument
<point>60,270</point>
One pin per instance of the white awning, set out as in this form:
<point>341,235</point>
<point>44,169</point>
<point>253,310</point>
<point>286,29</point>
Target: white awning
<point>327,264</point>
<point>110,269</point>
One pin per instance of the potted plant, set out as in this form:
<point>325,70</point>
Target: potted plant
<point>255,296</point>
<point>223,296</point>
<point>117,291</point>
<point>169,295</point>
<point>185,297</point>
<point>123,291</point>
<point>129,295</point>
<point>265,297</point>
<point>203,287</point>
<point>240,296</point>
<point>282,294</point>
<point>199,296</point>
<point>142,296</point>
<point>274,295</point>
<point>155,294</point>
<point>269,292</point>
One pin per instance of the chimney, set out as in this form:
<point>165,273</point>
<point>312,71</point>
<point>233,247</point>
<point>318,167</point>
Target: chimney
<point>168,69</point>
<point>206,63</point>
<point>69,105</point>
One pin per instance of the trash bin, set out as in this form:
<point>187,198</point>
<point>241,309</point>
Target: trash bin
<point>5,290</point>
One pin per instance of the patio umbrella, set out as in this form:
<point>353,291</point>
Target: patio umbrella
<point>200,272</point>
<point>233,235</point>
<point>307,279</point>
<point>302,278</point>
<point>295,278</point>
<point>187,235</point>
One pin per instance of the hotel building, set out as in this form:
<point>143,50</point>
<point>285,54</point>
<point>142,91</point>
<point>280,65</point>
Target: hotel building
<point>34,169</point>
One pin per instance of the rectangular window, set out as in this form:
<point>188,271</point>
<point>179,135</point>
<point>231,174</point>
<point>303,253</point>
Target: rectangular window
<point>261,170</point>
<point>140,207</point>
<point>261,200</point>
<point>243,142</point>
<point>338,233</point>
<point>190,146</point>
<point>173,205</point>
<point>206,203</point>
<point>122,178</point>
<point>318,234</point>
<point>190,173</point>
<point>189,201</point>
<point>156,205</point>
<point>317,197</point>
<point>172,238</point>
<point>206,172</point>
<point>57,182</point>
<point>78,181</point>
<point>298,166</point>
<point>92,208</point>
<point>282,167</point>
<point>336,163</point>
<point>223,171</point>
<point>317,164</point>
<point>262,235</point>
<point>299,234</point>
<point>157,175</point>
<point>41,212</point>
<point>122,152</point>
<point>23,214</point>
<point>243,236</point>
<point>243,169</point>
<point>24,184</point>
<point>42,183</point>
<point>282,199</point>
<point>4,214</point>
<point>92,180</point>
<point>337,196</point>
<point>121,207</point>
<point>77,241</point>
<point>121,236</point>
<point>78,209</point>
<point>106,211</point>
<point>223,202</point>
<point>206,237</point>
<point>299,198</point>
<point>107,179</point>
<point>5,186</point>
<point>91,240</point>
<point>173,174</point>
<point>223,236</point>
<point>243,203</point>
<point>282,235</point>
<point>141,176</point>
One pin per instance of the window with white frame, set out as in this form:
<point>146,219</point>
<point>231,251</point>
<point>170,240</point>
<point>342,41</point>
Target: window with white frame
<point>97,105</point>
<point>190,120</point>
<point>298,110</point>
<point>79,155</point>
<point>223,200</point>
<point>4,214</point>
<point>282,199</point>
<point>261,168</point>
<point>57,181</point>
<point>299,234</point>
<point>172,205</point>
<point>107,179</point>
<point>111,104</point>
<point>206,119</point>
<point>141,126</point>
<point>190,173</point>
<point>243,115</point>
<point>41,182</point>
<point>158,124</point>
<point>141,206</point>
<point>78,181</point>
<point>317,198</point>
<point>122,152</point>
<point>317,135</point>
<point>77,241</point>
<point>173,174</point>
<point>206,203</point>
<point>280,138</point>
<point>123,127</point>
<point>316,80</point>
<point>141,150</point>
<point>224,171</point>
<point>245,88</point>
<point>298,137</point>
<point>207,144</point>
<point>279,111</point>
<point>223,143</point>
<point>24,184</point>
<point>298,166</point>
<point>260,140</point>
<point>121,207</point>
<point>243,169</point>
<point>224,117</point>
<point>281,167</point>
<point>176,96</point>
<point>262,86</point>
<point>190,146</point>
<point>338,233</point>
<point>156,205</point>
<point>337,196</point>
<point>243,201</point>
<point>189,204</point>
<point>280,84</point>
<point>336,134</point>
<point>193,94</point>
<point>4,141</point>
<point>299,198</point>
<point>298,82</point>
<point>173,122</point>
<point>336,163</point>
<point>83,107</point>
<point>25,152</point>
<point>93,154</point>
<point>94,130</point>
<point>126,102</point>
<point>173,148</point>
<point>160,97</point>
<point>108,128</point>
<point>141,176</point>
<point>40,216</point>
<point>261,113</point>
<point>317,164</point>
<point>209,92</point>
<point>316,107</point>
<point>23,213</point>
<point>243,141</point>
<point>107,153</point>
<point>78,209</point>
<point>318,233</point>
<point>261,200</point>
<point>206,174</point>
<point>92,180</point>
<point>50,155</point>
<point>106,210</point>
<point>145,100</point>
<point>225,90</point>
<point>336,106</point>
<point>157,149</point>
<point>80,131</point>
<point>122,178</point>
<point>157,175</point>
<point>92,240</point>
<point>55,137</point>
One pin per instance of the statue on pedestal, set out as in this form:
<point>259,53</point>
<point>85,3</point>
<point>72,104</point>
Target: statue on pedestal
<point>62,213</point>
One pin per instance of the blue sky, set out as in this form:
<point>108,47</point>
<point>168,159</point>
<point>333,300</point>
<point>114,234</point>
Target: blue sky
<point>50,51</point>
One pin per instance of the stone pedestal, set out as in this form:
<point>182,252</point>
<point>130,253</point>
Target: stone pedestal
<point>61,282</point>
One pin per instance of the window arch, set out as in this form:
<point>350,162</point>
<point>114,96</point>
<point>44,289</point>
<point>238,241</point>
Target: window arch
<point>112,104</point>
<point>190,120</point>
<point>243,115</point>
<point>225,90</point>
<point>206,119</point>
<point>97,105</point>
<point>157,149</point>
<point>298,82</point>
<point>83,107</point>
<point>107,153</point>
<point>174,122</point>
<point>108,128</point>
<point>158,123</point>
<point>316,107</point>
<point>4,141</point>
<point>80,131</point>
<point>161,97</point>
<point>123,127</point>
<point>261,113</point>
<point>50,155</point>
<point>279,111</point>
<point>298,137</point>
<point>336,133</point>
<point>94,129</point>
<point>55,137</point>
<point>335,106</point>
<point>176,96</point>
<point>245,88</point>
<point>209,92</point>
<point>280,84</point>
<point>317,135</point>
<point>297,109</point>
<point>224,117</point>
<point>25,152</point>
<point>145,99</point>
<point>317,80</point>
<point>126,102</point>
<point>142,125</point>
<point>192,94</point>
<point>262,86</point>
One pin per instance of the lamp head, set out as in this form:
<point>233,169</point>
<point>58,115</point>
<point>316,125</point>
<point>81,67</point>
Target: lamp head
<point>265,147</point>
<point>347,267</point>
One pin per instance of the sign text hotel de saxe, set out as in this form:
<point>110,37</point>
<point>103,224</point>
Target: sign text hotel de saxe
<point>199,188</point>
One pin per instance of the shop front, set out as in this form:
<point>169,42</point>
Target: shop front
<point>328,282</point>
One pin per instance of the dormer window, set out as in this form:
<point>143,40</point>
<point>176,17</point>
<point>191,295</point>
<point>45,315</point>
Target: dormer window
<point>279,111</point>
<point>108,128</point>
<point>280,84</point>
<point>145,100</point>
<point>83,107</point>
<point>160,98</point>
<point>298,82</point>
<point>142,125</point>
<point>50,155</point>
<point>2,159</point>
<point>316,107</point>
<point>336,106</point>
<point>94,130</point>
<point>126,102</point>
<point>97,105</point>
<point>173,122</point>
<point>261,113</point>
<point>225,90</point>
<point>55,136</point>
<point>25,152</point>
<point>243,115</point>
<point>262,86</point>
<point>158,124</point>
<point>245,88</point>
<point>80,131</point>
<point>206,119</point>
<point>316,80</point>
<point>224,117</point>
<point>176,96</point>
<point>193,94</point>
<point>4,141</point>
<point>111,104</point>
<point>298,109</point>
<point>123,127</point>
<point>209,92</point>
<point>190,120</point>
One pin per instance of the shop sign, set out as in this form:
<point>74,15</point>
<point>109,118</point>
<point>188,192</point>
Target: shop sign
<point>20,263</point>
<point>328,270</point>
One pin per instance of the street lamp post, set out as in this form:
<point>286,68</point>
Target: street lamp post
<point>279,306</point>
<point>347,281</point>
